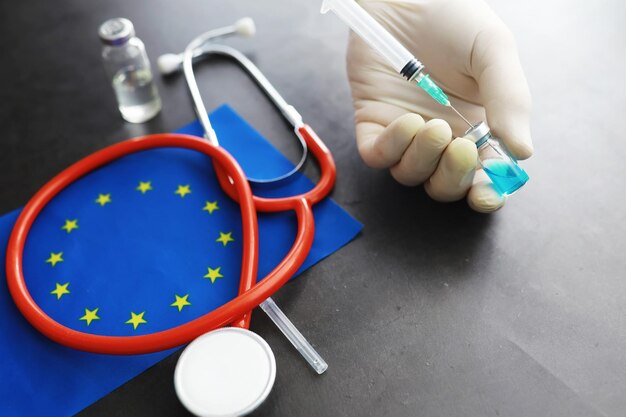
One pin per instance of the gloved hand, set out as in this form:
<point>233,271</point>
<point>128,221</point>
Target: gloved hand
<point>472,55</point>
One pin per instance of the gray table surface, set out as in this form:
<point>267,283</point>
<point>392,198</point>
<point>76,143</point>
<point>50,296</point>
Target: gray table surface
<point>433,310</point>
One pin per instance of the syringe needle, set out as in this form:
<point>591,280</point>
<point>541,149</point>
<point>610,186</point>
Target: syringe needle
<point>461,116</point>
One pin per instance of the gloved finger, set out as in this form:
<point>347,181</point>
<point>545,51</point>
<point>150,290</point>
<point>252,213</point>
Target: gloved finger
<point>453,177</point>
<point>482,197</point>
<point>420,159</point>
<point>503,88</point>
<point>382,146</point>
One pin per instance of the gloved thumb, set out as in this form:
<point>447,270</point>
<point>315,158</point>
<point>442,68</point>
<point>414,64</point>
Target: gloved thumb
<point>503,88</point>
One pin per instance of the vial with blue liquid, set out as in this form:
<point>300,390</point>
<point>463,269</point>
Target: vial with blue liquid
<point>507,176</point>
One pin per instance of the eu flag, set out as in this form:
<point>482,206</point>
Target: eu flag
<point>143,244</point>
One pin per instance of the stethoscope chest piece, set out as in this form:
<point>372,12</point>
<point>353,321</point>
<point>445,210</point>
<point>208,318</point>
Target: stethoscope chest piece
<point>225,372</point>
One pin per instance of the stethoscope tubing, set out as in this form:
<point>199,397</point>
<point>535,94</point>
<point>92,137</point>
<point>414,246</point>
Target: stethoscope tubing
<point>328,174</point>
<point>111,344</point>
<point>232,180</point>
<point>251,295</point>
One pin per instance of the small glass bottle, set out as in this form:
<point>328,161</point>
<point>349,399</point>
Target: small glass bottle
<point>507,176</point>
<point>127,65</point>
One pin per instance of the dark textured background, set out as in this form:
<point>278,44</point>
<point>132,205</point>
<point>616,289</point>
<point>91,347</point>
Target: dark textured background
<point>434,310</point>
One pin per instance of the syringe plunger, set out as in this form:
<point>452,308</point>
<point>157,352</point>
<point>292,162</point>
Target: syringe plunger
<point>370,31</point>
<point>381,41</point>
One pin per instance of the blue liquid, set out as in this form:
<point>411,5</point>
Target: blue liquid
<point>507,177</point>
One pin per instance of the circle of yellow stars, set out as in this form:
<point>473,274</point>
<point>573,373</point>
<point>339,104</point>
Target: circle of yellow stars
<point>137,319</point>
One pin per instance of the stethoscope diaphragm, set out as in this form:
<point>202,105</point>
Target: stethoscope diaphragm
<point>225,372</point>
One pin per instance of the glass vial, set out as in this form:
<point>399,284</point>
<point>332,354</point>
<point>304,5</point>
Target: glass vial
<point>126,63</point>
<point>507,176</point>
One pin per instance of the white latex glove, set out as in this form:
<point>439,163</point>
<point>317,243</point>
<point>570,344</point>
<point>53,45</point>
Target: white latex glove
<point>472,55</point>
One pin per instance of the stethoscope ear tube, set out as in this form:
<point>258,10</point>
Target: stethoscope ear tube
<point>200,48</point>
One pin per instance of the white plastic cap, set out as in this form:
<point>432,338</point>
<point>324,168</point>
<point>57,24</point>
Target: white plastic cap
<point>226,372</point>
<point>169,63</point>
<point>245,27</point>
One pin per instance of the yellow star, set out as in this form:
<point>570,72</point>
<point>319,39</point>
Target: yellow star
<point>103,199</point>
<point>55,258</point>
<point>90,315</point>
<point>211,206</point>
<point>214,274</point>
<point>136,319</point>
<point>144,186</point>
<point>181,302</point>
<point>225,238</point>
<point>60,290</point>
<point>70,225</point>
<point>183,190</point>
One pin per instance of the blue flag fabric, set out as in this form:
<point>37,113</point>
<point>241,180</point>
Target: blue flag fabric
<point>144,244</point>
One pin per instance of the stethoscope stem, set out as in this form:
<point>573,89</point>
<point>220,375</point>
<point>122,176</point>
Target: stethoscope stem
<point>296,338</point>
<point>198,103</point>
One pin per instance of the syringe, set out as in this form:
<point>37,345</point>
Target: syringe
<point>380,40</point>
<point>507,176</point>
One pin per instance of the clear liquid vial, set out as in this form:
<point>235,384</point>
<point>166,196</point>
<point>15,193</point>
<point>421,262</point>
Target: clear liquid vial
<point>127,65</point>
<point>507,176</point>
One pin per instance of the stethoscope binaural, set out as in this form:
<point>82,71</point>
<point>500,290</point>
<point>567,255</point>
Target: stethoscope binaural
<point>243,359</point>
<point>201,48</point>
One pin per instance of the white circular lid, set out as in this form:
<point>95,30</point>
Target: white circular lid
<point>226,372</point>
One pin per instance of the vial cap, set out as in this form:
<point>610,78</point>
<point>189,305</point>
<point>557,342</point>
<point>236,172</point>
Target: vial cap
<point>477,133</point>
<point>116,31</point>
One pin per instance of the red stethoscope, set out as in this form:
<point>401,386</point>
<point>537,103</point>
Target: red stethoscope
<point>239,350</point>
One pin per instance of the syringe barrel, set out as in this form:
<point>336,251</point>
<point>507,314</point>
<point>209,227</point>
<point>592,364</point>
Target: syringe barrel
<point>370,31</point>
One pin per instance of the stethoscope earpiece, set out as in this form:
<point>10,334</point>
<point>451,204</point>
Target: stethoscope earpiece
<point>169,63</point>
<point>244,27</point>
